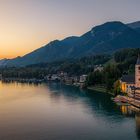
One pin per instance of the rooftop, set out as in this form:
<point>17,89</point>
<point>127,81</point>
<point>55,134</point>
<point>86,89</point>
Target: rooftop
<point>128,79</point>
<point>138,60</point>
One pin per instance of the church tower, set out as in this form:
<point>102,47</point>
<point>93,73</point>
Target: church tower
<point>137,73</point>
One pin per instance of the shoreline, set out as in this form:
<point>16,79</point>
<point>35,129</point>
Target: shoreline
<point>99,89</point>
<point>34,80</point>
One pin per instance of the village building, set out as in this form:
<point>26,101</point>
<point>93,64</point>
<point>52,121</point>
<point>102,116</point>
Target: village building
<point>126,82</point>
<point>83,78</point>
<point>52,77</point>
<point>68,80</point>
<point>137,75</point>
<point>98,68</point>
<point>131,83</point>
<point>55,77</point>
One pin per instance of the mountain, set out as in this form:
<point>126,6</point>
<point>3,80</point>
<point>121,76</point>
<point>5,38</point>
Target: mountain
<point>135,26</point>
<point>106,38</point>
<point>4,62</point>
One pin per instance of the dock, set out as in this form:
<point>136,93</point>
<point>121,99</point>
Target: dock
<point>135,103</point>
<point>130,100</point>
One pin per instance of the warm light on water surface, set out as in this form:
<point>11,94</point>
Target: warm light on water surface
<point>58,112</point>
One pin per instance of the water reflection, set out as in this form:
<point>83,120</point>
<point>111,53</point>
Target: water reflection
<point>128,110</point>
<point>99,102</point>
<point>55,111</point>
<point>131,111</point>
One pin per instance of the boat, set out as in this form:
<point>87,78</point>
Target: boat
<point>120,99</point>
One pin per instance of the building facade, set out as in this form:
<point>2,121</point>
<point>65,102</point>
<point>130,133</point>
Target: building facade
<point>126,82</point>
<point>137,73</point>
<point>129,82</point>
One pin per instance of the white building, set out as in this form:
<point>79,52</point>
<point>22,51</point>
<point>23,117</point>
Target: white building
<point>83,78</point>
<point>98,68</point>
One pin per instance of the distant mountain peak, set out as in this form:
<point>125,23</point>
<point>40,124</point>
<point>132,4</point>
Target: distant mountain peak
<point>108,24</point>
<point>106,38</point>
<point>134,24</point>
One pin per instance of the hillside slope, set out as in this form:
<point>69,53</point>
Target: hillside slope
<point>105,38</point>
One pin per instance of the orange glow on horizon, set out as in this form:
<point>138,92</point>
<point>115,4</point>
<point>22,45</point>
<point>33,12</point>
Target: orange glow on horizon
<point>26,25</point>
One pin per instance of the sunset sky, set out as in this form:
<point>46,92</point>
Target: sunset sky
<point>26,25</point>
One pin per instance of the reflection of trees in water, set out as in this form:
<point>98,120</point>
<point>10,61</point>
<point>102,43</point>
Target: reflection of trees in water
<point>97,103</point>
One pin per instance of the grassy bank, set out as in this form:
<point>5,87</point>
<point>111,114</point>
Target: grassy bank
<point>99,89</point>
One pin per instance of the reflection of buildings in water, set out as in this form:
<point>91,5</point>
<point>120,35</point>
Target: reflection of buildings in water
<point>135,109</point>
<point>131,111</point>
<point>127,111</point>
<point>137,118</point>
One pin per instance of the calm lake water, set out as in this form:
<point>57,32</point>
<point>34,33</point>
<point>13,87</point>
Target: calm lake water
<point>59,112</point>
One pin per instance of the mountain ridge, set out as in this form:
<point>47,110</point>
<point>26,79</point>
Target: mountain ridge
<point>134,24</point>
<point>106,38</point>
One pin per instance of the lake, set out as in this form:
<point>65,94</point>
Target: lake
<point>58,112</point>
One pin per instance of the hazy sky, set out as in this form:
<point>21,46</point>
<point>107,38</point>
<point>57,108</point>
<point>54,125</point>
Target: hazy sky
<point>28,24</point>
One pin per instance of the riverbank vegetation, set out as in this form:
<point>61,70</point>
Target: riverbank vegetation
<point>105,78</point>
<point>73,67</point>
<point>123,62</point>
<point>114,66</point>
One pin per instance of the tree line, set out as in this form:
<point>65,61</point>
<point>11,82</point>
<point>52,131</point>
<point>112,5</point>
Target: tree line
<point>123,62</point>
<point>74,67</point>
